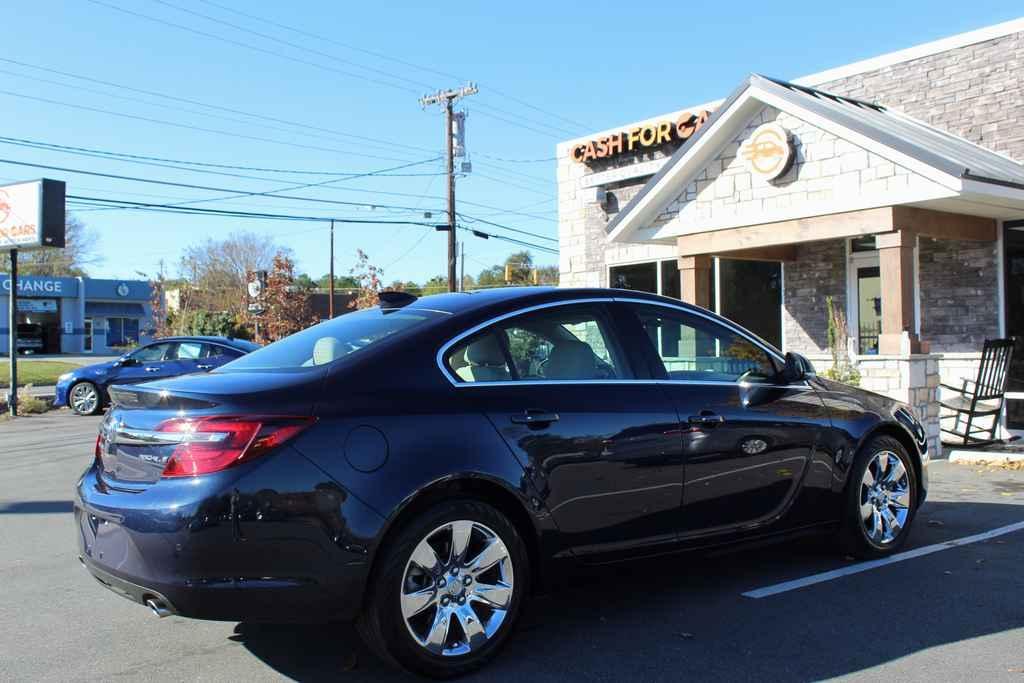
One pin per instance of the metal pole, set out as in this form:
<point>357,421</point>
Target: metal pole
<point>330,304</point>
<point>462,266</point>
<point>12,334</point>
<point>451,195</point>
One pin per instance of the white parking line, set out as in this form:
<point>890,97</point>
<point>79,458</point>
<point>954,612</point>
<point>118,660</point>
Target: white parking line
<point>874,564</point>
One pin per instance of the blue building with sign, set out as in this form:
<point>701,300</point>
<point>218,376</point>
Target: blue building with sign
<point>77,315</point>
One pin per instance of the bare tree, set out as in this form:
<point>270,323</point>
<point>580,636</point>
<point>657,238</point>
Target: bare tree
<point>80,252</point>
<point>216,270</point>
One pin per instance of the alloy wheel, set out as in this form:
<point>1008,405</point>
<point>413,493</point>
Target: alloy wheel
<point>457,588</point>
<point>884,498</point>
<point>84,398</point>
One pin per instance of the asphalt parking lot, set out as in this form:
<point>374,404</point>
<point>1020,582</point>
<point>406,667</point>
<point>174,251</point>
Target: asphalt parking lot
<point>953,614</point>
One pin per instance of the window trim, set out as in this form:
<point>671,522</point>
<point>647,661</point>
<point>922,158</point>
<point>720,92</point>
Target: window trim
<point>760,343</point>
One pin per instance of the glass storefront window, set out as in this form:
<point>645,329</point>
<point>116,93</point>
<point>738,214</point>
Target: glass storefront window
<point>122,331</point>
<point>670,280</point>
<point>752,296</point>
<point>642,277</point>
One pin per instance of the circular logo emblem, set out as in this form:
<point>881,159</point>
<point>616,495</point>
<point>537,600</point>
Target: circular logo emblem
<point>767,153</point>
<point>122,289</point>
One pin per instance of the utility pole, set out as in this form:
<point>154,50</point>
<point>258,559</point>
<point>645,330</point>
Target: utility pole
<point>330,304</point>
<point>12,335</point>
<point>447,98</point>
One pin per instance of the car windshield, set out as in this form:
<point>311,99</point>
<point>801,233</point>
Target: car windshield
<point>332,340</point>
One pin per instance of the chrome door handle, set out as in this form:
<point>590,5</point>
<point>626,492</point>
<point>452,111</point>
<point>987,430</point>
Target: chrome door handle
<point>204,367</point>
<point>152,369</point>
<point>535,417</point>
<point>706,419</point>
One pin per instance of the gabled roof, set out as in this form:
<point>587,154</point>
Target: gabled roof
<point>946,158</point>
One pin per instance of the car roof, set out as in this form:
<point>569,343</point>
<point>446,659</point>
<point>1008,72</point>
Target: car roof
<point>516,297</point>
<point>240,344</point>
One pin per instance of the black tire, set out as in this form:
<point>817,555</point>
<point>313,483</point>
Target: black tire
<point>99,398</point>
<point>381,623</point>
<point>854,536</point>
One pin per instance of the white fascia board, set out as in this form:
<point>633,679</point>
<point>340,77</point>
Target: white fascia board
<point>863,141</point>
<point>992,193</point>
<point>682,172</point>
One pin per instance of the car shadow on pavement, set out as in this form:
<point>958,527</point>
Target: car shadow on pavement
<point>38,507</point>
<point>684,616</point>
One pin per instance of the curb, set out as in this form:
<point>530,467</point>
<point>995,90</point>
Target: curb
<point>980,457</point>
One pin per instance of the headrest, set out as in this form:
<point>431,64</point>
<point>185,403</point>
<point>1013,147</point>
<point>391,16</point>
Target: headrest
<point>485,351</point>
<point>327,349</point>
<point>571,360</point>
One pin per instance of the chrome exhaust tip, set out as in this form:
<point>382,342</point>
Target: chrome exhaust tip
<point>158,607</point>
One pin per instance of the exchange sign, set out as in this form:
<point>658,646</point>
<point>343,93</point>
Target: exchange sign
<point>32,215</point>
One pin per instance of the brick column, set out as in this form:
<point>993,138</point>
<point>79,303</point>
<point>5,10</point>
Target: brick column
<point>896,266</point>
<point>695,280</point>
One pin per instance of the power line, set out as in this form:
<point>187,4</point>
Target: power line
<point>248,46</point>
<point>193,186</point>
<point>396,60</point>
<point>185,210</point>
<point>307,62</point>
<point>273,119</point>
<point>169,163</point>
<point>182,165</point>
<point>505,227</point>
<point>296,46</point>
<point>198,128</point>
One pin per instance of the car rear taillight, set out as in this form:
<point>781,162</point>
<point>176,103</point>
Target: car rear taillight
<point>211,444</point>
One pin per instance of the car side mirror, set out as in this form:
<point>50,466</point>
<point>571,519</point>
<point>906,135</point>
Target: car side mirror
<point>127,361</point>
<point>796,369</point>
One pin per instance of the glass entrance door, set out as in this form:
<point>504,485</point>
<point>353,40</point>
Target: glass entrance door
<point>87,346</point>
<point>1013,250</point>
<point>869,309</point>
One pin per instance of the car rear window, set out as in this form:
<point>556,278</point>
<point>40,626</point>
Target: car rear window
<point>333,339</point>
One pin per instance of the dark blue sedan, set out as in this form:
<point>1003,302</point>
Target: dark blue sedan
<point>84,390</point>
<point>420,465</point>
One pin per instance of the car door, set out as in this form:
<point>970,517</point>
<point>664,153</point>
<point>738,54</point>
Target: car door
<point>749,441</point>
<point>145,364</point>
<point>598,438</point>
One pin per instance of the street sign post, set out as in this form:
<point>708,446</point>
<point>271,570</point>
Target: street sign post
<point>31,217</point>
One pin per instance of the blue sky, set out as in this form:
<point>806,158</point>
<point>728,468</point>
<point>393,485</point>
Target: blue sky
<point>347,103</point>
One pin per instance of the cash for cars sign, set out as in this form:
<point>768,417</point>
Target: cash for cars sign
<point>32,215</point>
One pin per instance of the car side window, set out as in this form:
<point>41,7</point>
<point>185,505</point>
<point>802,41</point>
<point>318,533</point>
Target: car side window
<point>697,349</point>
<point>188,351</point>
<point>563,343</point>
<point>219,352</point>
<point>150,354</point>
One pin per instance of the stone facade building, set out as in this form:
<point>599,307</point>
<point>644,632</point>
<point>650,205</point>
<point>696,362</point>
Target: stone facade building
<point>897,199</point>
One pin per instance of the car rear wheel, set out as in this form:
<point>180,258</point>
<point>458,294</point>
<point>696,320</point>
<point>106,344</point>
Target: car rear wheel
<point>881,499</point>
<point>449,590</point>
<point>84,398</point>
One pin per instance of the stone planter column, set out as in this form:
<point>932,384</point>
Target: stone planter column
<point>911,378</point>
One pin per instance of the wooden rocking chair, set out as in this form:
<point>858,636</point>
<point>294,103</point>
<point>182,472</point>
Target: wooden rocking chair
<point>981,398</point>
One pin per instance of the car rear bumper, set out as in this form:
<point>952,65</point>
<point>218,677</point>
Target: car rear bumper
<point>229,546</point>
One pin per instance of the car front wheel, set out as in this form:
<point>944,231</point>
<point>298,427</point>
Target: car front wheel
<point>84,398</point>
<point>449,590</point>
<point>881,499</point>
